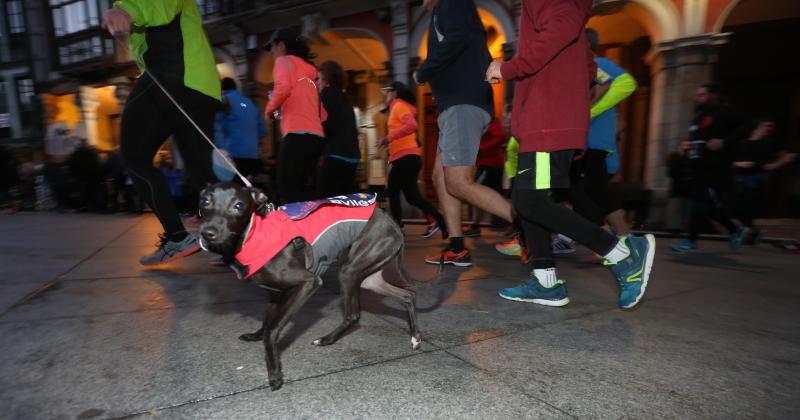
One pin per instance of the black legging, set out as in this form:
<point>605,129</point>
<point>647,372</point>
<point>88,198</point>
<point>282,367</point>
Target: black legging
<point>403,178</point>
<point>707,205</point>
<point>297,166</point>
<point>147,120</point>
<point>336,177</point>
<point>589,193</point>
<point>540,216</point>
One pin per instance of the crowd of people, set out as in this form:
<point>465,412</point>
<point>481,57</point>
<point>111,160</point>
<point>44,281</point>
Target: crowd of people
<point>722,170</point>
<point>556,144</point>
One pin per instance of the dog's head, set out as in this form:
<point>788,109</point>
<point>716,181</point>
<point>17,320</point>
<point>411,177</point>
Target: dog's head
<point>226,209</point>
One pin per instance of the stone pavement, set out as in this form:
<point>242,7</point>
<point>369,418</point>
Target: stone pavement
<point>716,337</point>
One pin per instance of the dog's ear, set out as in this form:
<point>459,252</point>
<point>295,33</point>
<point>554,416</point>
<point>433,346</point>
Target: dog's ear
<point>263,206</point>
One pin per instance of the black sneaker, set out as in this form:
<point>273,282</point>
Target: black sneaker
<point>433,227</point>
<point>472,231</point>
<point>169,251</point>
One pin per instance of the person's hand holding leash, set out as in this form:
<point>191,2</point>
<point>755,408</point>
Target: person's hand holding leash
<point>493,74</point>
<point>117,21</point>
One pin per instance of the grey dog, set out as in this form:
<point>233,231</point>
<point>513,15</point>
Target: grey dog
<point>293,274</point>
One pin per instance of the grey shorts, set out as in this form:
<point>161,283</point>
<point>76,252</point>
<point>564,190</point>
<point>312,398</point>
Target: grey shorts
<point>460,131</point>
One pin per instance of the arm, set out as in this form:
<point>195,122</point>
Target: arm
<point>151,12</point>
<point>282,73</point>
<point>620,88</point>
<point>409,127</point>
<point>562,25</point>
<point>783,160</point>
<point>454,24</point>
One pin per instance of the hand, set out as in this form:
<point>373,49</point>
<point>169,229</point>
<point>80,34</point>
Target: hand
<point>715,144</point>
<point>416,79</point>
<point>117,21</point>
<point>384,142</point>
<point>269,115</point>
<point>493,74</point>
<point>744,164</point>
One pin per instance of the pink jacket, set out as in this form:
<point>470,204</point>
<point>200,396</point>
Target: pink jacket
<point>296,94</point>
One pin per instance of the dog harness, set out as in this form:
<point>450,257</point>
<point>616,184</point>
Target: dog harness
<point>329,225</point>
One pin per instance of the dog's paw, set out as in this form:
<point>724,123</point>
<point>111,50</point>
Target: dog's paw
<point>251,337</point>
<point>322,341</point>
<point>416,342</point>
<point>276,384</point>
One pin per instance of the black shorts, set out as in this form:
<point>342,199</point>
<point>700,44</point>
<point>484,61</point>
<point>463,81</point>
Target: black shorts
<point>543,170</point>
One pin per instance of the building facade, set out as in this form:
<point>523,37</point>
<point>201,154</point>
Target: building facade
<point>19,106</point>
<point>670,46</point>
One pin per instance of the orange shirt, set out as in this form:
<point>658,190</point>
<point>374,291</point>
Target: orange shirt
<point>402,135</point>
<point>296,94</point>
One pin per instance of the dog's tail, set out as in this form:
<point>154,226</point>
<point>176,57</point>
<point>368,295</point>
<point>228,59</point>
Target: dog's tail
<point>408,278</point>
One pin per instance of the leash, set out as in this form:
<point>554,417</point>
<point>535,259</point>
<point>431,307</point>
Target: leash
<point>123,39</point>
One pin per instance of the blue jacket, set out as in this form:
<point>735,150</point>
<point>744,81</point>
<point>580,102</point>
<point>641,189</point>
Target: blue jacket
<point>603,128</point>
<point>239,129</point>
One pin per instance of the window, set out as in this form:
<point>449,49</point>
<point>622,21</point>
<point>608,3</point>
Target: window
<point>25,92</point>
<point>70,16</point>
<point>16,16</point>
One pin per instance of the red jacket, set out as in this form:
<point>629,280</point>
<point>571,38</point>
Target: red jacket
<point>492,152</point>
<point>296,94</point>
<point>554,69</point>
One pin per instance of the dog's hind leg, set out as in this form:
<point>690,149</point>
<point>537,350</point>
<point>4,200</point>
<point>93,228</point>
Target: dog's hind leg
<point>351,300</point>
<point>408,298</point>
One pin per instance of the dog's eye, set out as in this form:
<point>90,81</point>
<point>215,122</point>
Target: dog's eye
<point>204,201</point>
<point>238,206</point>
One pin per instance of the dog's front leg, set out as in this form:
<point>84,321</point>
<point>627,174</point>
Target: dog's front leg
<point>277,319</point>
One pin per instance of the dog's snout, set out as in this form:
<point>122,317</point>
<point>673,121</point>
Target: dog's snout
<point>209,233</point>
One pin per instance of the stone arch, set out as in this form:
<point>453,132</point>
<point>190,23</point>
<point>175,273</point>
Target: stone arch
<point>666,20</point>
<point>723,16</point>
<point>492,7</point>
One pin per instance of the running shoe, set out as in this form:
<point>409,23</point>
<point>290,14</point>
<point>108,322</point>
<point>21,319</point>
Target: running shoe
<point>471,231</point>
<point>433,227</point>
<point>738,237</point>
<point>448,256</point>
<point>510,247</point>
<point>169,251</point>
<point>684,246</point>
<point>633,272</point>
<point>562,246</point>
<point>532,291</point>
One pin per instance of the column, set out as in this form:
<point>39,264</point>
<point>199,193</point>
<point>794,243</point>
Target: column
<point>400,28</point>
<point>678,68</point>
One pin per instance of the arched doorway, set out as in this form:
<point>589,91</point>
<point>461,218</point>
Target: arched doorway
<point>761,77</point>
<point>499,32</point>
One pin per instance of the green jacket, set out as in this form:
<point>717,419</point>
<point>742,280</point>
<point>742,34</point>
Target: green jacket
<point>170,48</point>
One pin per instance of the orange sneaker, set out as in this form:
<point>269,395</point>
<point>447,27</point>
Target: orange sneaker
<point>448,256</point>
<point>510,247</point>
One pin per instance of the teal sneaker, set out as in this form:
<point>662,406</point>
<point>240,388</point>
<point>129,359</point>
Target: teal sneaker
<point>684,246</point>
<point>633,272</point>
<point>533,291</point>
<point>738,237</point>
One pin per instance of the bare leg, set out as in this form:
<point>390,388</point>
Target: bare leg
<point>451,206</point>
<point>460,184</point>
<point>616,220</point>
